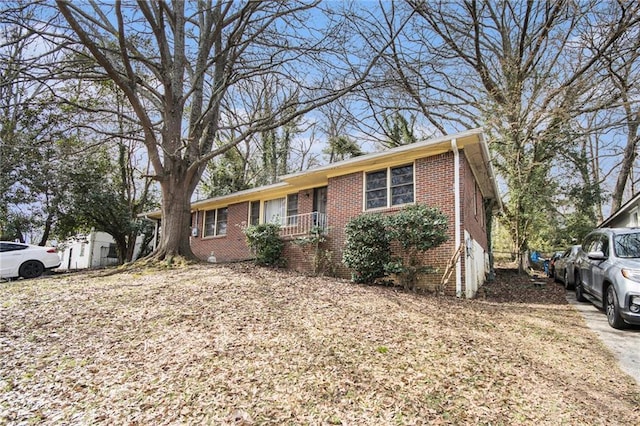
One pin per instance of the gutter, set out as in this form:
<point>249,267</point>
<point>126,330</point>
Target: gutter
<point>457,227</point>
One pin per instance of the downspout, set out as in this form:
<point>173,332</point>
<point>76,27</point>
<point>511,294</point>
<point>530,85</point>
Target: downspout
<point>456,197</point>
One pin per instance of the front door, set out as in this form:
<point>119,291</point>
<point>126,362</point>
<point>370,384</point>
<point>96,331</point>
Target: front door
<point>320,207</point>
<point>320,200</point>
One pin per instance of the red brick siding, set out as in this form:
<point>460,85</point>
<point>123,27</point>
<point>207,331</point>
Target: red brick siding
<point>473,218</point>
<point>228,247</point>
<point>298,258</point>
<point>434,180</point>
<point>434,187</point>
<point>344,202</point>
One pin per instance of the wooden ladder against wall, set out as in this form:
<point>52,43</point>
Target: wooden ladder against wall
<point>450,267</point>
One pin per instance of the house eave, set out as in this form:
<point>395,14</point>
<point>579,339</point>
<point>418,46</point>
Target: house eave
<point>472,142</point>
<point>386,158</point>
<point>623,209</point>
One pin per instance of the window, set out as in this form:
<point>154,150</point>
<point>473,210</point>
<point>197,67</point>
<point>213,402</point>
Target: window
<point>4,247</point>
<point>254,213</point>
<point>274,211</point>
<point>282,210</point>
<point>376,192</point>
<point>389,187</point>
<point>112,251</point>
<point>627,245</point>
<point>215,222</point>
<point>221,221</point>
<point>598,243</point>
<point>292,209</point>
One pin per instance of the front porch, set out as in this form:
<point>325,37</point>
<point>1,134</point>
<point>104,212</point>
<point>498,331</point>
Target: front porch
<point>302,224</point>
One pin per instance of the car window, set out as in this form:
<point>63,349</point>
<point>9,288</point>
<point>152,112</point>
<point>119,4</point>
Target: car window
<point>604,245</point>
<point>5,247</point>
<point>627,245</point>
<point>593,244</point>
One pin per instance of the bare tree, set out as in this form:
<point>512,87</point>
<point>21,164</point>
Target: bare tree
<point>180,65</point>
<point>520,69</point>
<point>622,65</point>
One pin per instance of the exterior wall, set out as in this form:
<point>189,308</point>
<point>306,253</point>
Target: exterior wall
<point>300,258</point>
<point>88,251</point>
<point>475,257</point>
<point>225,248</point>
<point>232,246</point>
<point>627,218</point>
<point>433,179</point>
<point>433,186</point>
<point>476,262</point>
<point>473,215</point>
<point>344,202</point>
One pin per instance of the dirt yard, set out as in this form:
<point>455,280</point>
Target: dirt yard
<point>208,344</point>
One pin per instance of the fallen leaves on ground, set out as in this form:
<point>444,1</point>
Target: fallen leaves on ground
<point>213,344</point>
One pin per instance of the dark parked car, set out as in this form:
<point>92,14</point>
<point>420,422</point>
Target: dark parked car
<point>552,263</point>
<point>565,267</point>
<point>609,274</point>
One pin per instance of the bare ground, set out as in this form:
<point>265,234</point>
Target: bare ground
<point>210,344</point>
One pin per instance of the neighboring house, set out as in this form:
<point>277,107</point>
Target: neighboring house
<point>452,173</point>
<point>94,250</point>
<point>625,217</point>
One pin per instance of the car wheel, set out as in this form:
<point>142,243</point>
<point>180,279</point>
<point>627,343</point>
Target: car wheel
<point>567,285</point>
<point>613,310</point>
<point>579,291</point>
<point>31,269</point>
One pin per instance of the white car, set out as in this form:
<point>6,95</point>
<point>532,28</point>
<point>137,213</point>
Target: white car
<point>26,260</point>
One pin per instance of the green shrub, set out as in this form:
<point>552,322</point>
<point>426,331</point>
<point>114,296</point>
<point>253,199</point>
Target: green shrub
<point>417,228</point>
<point>265,242</point>
<point>367,248</point>
<point>312,245</point>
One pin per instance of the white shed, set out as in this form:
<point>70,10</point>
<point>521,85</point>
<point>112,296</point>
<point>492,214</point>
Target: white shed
<point>94,250</point>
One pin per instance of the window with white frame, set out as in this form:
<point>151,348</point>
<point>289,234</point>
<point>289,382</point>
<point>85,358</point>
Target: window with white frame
<point>292,209</point>
<point>283,211</point>
<point>275,210</point>
<point>215,222</point>
<point>389,187</point>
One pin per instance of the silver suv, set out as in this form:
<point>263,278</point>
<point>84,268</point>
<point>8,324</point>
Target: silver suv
<point>609,274</point>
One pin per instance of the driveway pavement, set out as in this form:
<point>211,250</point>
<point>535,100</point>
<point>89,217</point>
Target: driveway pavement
<point>625,344</point>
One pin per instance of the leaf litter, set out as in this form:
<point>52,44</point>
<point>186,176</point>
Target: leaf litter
<point>240,345</point>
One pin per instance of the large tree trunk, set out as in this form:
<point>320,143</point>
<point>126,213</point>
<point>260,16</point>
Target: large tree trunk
<point>175,231</point>
<point>131,246</point>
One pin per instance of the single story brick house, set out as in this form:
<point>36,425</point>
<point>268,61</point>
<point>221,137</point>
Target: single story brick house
<point>452,173</point>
